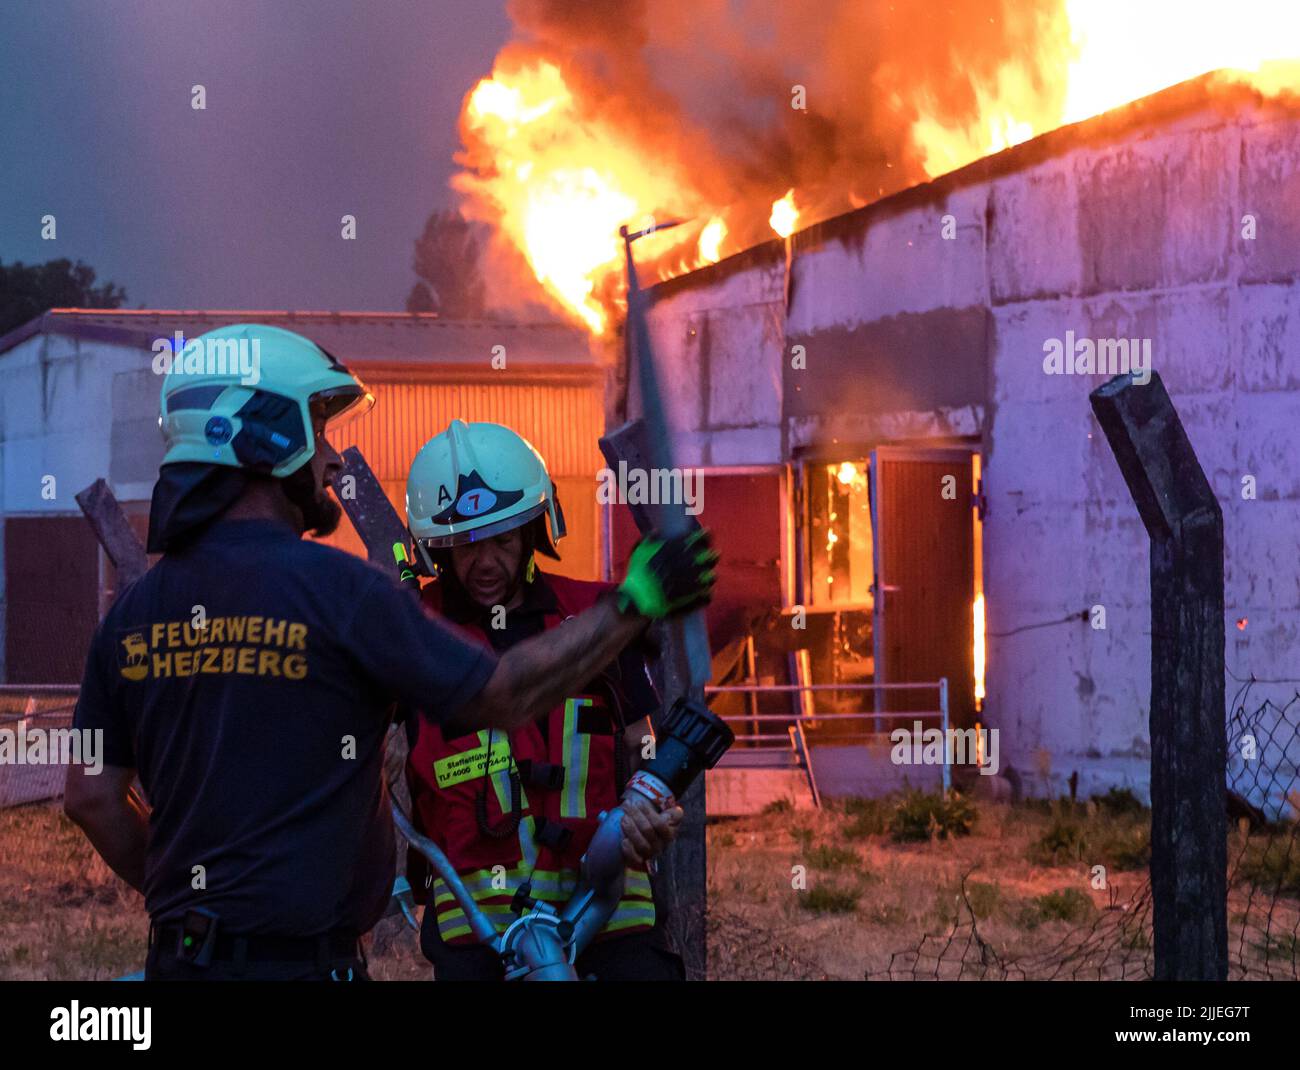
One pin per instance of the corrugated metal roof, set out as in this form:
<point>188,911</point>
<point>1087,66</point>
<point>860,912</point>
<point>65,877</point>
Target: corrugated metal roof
<point>353,337</point>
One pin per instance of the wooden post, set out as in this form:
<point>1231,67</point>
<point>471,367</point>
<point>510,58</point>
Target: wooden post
<point>114,532</point>
<point>1188,737</point>
<point>682,882</point>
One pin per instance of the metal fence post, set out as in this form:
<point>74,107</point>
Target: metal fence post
<point>943,724</point>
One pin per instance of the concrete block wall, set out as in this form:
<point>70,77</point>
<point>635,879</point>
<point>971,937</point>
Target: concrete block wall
<point>1144,239</point>
<point>718,341</point>
<point>1131,234</point>
<point>890,305</point>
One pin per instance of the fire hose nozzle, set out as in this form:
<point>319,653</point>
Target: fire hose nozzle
<point>694,739</point>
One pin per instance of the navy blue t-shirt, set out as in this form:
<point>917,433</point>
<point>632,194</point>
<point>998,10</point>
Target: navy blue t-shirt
<point>259,736</point>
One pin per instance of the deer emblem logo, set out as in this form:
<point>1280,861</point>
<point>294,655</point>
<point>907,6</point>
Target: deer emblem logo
<point>136,663</point>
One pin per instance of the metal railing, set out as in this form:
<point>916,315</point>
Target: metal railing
<point>795,735</point>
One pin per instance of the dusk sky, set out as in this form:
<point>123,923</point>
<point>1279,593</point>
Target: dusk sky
<point>314,110</point>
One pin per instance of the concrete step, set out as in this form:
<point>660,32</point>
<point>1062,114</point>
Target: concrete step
<point>754,758</point>
<point>736,791</point>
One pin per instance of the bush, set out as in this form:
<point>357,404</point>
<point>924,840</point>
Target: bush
<point>1271,864</point>
<point>981,899</point>
<point>827,899</point>
<point>1066,840</point>
<point>826,857</point>
<point>870,818</point>
<point>1119,802</point>
<point>1068,905</point>
<point>778,806</point>
<point>1125,846</point>
<point>920,816</point>
<point>886,913</point>
<point>984,899</point>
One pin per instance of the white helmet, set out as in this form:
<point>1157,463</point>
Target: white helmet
<point>474,481</point>
<point>241,396</point>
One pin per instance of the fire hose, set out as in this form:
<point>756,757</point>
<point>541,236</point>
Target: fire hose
<point>543,943</point>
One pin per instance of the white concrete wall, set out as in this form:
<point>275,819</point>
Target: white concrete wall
<point>718,349</point>
<point>78,411</point>
<point>1139,235</point>
<point>1145,240</point>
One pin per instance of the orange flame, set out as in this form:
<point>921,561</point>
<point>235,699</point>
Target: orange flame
<point>785,216</point>
<point>557,177</point>
<point>559,183</point>
<point>1116,51</point>
<point>711,238</point>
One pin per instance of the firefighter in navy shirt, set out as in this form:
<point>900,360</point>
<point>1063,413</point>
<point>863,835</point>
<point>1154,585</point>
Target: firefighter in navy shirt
<point>248,679</point>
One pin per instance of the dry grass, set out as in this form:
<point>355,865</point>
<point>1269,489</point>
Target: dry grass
<point>866,896</point>
<point>64,915</point>
<point>859,897</point>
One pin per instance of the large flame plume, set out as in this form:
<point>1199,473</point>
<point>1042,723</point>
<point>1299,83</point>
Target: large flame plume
<point>753,118</point>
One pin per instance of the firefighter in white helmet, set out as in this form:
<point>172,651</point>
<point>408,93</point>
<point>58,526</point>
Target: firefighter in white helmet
<point>248,677</point>
<point>481,506</point>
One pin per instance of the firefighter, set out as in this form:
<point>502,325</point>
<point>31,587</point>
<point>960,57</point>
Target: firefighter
<point>248,678</point>
<point>479,502</point>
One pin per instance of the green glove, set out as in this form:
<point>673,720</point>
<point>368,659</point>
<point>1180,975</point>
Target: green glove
<point>668,575</point>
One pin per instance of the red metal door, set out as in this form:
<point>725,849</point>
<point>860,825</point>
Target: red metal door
<point>924,588</point>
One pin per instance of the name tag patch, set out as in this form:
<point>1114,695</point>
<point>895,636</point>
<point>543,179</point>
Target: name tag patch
<point>456,768</point>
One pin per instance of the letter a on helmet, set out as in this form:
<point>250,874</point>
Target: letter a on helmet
<point>474,481</point>
<point>242,396</point>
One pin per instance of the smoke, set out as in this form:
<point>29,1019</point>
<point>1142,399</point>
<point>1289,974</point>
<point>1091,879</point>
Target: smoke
<point>712,82</point>
<point>728,104</point>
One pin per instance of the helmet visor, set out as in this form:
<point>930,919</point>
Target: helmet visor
<point>486,531</point>
<point>342,404</point>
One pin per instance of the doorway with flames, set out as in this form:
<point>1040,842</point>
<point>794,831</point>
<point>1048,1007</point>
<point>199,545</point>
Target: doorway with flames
<point>882,600</point>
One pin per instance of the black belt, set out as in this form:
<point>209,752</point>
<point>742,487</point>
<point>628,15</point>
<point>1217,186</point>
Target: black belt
<point>232,947</point>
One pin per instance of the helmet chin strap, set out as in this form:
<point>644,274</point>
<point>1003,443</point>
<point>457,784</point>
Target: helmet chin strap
<point>527,565</point>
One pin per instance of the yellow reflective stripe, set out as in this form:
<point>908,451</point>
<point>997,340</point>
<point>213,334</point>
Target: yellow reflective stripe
<point>577,750</point>
<point>481,883</point>
<point>452,924</point>
<point>628,923</point>
<point>500,769</point>
<point>528,842</point>
<point>637,883</point>
<point>628,915</point>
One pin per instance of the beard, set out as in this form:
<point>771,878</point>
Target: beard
<point>320,512</point>
<point>321,515</point>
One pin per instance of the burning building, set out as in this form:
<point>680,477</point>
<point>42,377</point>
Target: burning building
<point>944,494</point>
<point>980,213</point>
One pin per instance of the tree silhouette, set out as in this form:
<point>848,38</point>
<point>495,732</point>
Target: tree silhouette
<point>27,290</point>
<point>448,259</point>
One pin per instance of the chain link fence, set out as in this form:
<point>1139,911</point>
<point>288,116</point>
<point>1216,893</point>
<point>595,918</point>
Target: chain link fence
<point>1262,796</point>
